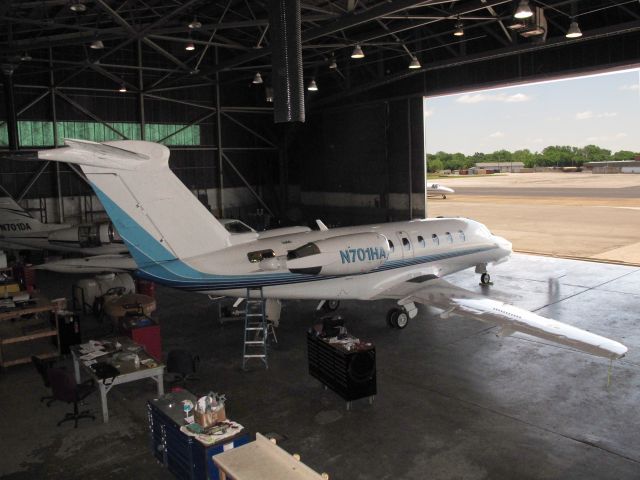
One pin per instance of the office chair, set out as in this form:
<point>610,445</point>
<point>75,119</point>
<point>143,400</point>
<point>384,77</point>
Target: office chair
<point>65,389</point>
<point>182,364</point>
<point>42,366</point>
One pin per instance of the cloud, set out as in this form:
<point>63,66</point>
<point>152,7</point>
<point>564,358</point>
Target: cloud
<point>607,138</point>
<point>501,97</point>
<point>497,134</point>
<point>634,87</point>
<point>588,114</point>
<point>518,97</point>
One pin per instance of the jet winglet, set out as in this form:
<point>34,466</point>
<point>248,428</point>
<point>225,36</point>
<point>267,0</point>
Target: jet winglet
<point>321,225</point>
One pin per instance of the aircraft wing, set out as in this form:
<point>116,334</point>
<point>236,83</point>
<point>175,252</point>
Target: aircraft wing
<point>455,300</point>
<point>95,264</point>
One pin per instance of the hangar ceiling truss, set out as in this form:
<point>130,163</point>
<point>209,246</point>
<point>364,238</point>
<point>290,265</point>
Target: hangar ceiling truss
<point>391,33</point>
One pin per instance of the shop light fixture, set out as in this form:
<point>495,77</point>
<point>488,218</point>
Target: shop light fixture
<point>574,30</point>
<point>257,79</point>
<point>313,86</point>
<point>77,6</point>
<point>357,52</point>
<point>194,24</point>
<point>415,63</point>
<point>523,10</point>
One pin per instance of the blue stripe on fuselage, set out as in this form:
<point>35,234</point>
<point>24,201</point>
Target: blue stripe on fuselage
<point>155,262</point>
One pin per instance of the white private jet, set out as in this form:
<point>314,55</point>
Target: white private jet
<point>175,241</point>
<point>435,189</point>
<point>19,230</point>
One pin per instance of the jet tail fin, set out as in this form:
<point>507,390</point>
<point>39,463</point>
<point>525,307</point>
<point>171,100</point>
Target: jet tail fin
<point>15,218</point>
<point>158,218</point>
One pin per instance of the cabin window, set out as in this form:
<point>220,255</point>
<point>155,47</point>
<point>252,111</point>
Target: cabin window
<point>435,240</point>
<point>421,241</point>
<point>449,237</point>
<point>259,255</point>
<point>406,244</point>
<point>461,236</point>
<point>391,247</point>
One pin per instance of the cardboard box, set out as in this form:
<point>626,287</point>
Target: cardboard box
<point>209,418</point>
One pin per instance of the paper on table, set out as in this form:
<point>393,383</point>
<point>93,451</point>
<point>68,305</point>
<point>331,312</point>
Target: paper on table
<point>92,355</point>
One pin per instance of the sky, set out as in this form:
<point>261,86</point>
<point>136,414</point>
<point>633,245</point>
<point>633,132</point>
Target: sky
<point>603,110</point>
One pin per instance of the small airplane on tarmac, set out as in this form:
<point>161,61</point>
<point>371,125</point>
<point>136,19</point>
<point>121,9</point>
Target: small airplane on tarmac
<point>19,230</point>
<point>175,241</point>
<point>435,189</point>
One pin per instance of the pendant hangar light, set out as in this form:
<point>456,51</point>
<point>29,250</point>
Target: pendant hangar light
<point>574,30</point>
<point>459,31</point>
<point>77,6</point>
<point>123,88</point>
<point>415,63</point>
<point>357,52</point>
<point>313,86</point>
<point>257,79</point>
<point>190,46</point>
<point>96,44</point>
<point>523,10</point>
<point>194,24</point>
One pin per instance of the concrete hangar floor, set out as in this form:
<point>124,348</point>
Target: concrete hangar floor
<point>454,400</point>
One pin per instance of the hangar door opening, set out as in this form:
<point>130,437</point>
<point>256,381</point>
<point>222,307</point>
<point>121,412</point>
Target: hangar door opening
<point>552,166</point>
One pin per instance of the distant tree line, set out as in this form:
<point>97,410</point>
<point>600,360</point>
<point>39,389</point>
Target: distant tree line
<point>552,156</point>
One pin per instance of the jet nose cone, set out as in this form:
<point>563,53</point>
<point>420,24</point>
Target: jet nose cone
<point>504,244</point>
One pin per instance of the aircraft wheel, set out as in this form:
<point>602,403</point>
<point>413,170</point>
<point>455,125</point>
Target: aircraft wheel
<point>397,318</point>
<point>485,279</point>
<point>402,320</point>
<point>392,317</point>
<point>444,197</point>
<point>331,305</point>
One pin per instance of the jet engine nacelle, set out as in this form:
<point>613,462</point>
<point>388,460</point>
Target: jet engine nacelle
<point>86,236</point>
<point>341,255</point>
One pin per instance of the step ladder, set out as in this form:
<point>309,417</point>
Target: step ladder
<point>255,327</point>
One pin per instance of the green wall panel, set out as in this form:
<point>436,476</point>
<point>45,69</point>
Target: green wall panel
<point>40,134</point>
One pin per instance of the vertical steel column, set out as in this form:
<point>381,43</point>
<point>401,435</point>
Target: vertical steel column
<point>219,141</point>
<point>425,170</point>
<point>143,134</point>
<point>409,140</point>
<point>283,161</point>
<point>10,106</point>
<point>54,121</point>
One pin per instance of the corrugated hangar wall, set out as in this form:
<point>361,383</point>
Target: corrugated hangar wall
<point>249,138</point>
<point>358,164</point>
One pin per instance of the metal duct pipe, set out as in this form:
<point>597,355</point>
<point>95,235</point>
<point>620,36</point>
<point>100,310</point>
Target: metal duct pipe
<point>286,61</point>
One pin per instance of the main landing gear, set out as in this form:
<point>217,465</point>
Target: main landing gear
<point>399,317</point>
<point>331,305</point>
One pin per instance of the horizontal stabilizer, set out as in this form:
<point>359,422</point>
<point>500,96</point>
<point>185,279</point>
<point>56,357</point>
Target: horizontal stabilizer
<point>84,152</point>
